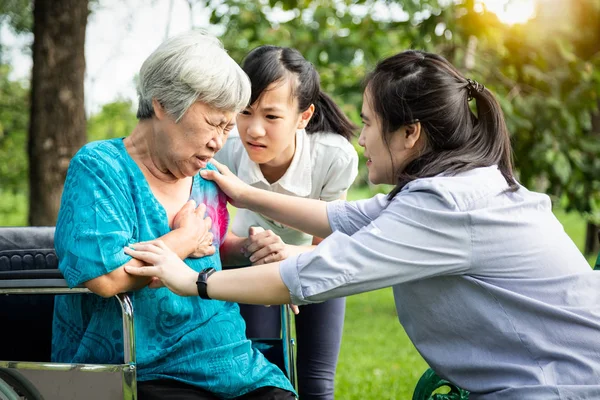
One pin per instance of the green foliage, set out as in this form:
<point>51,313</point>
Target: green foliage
<point>545,74</point>
<point>116,119</point>
<point>14,120</point>
<point>549,93</point>
<point>13,208</point>
<point>18,14</point>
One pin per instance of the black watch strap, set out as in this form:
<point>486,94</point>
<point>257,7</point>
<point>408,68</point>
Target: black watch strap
<point>201,282</point>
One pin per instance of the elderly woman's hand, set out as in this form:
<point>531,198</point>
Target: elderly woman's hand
<point>236,190</point>
<point>191,219</point>
<point>264,247</point>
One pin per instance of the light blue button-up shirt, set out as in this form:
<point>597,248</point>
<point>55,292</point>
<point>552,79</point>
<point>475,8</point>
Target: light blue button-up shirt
<point>488,286</point>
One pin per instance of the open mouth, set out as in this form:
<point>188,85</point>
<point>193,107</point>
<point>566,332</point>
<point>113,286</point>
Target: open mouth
<point>256,145</point>
<point>202,162</point>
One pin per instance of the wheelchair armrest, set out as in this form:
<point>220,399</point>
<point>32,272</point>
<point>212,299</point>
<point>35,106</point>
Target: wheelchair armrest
<point>49,281</point>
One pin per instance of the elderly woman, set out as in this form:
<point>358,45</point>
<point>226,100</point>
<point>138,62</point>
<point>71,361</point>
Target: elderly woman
<point>144,187</point>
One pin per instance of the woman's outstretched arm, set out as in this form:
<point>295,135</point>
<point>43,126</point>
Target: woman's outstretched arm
<point>306,215</point>
<point>257,285</point>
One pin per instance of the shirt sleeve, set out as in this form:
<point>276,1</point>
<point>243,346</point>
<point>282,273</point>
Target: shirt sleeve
<point>95,221</point>
<point>350,216</point>
<point>340,176</point>
<point>411,239</point>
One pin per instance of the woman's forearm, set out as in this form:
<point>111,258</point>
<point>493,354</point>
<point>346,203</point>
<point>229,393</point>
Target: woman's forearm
<point>179,242</point>
<point>257,285</point>
<point>306,215</point>
<point>119,281</point>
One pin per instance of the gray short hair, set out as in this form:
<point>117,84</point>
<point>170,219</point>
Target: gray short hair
<point>191,67</point>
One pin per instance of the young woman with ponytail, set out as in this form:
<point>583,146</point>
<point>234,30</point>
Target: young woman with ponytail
<point>291,139</point>
<point>488,286</point>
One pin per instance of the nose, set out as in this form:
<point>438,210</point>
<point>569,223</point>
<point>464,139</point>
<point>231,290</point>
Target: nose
<point>216,142</point>
<point>255,129</point>
<point>361,138</point>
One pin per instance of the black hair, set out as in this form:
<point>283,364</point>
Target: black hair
<point>418,86</point>
<point>267,64</point>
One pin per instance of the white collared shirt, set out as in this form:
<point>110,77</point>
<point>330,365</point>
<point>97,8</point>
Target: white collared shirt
<point>324,166</point>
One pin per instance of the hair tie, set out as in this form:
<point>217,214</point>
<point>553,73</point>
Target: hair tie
<point>472,87</point>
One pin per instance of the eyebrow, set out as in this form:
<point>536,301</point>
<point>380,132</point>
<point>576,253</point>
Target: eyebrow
<point>363,116</point>
<point>272,108</point>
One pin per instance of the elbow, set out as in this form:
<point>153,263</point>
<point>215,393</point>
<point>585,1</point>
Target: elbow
<point>102,287</point>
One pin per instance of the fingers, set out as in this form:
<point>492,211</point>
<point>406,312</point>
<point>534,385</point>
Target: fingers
<point>271,258</point>
<point>200,211</point>
<point>142,271</point>
<point>210,251</point>
<point>191,204</point>
<point>148,253</point>
<point>271,249</point>
<point>208,223</point>
<point>295,309</point>
<point>221,167</point>
<point>254,230</point>
<point>156,283</point>
<point>264,239</point>
<point>211,175</point>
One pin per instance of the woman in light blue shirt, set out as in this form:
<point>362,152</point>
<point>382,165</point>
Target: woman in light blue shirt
<point>488,286</point>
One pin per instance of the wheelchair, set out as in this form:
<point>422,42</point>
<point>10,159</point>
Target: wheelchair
<point>29,280</point>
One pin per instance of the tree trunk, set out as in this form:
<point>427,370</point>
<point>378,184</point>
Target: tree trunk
<point>592,239</point>
<point>57,126</point>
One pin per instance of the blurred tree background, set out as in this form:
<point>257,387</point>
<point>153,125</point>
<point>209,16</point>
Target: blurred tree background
<point>544,67</point>
<point>544,71</point>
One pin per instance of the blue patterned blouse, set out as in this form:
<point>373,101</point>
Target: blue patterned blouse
<point>106,205</point>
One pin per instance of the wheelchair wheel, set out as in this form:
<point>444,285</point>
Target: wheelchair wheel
<point>19,385</point>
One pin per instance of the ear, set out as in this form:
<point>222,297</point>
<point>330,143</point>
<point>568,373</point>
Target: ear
<point>306,116</point>
<point>412,134</point>
<point>159,110</point>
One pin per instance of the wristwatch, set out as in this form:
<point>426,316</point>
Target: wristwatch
<point>201,282</point>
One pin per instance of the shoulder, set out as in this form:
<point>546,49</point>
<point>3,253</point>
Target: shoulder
<point>103,158</point>
<point>101,152</point>
<point>467,191</point>
<point>332,145</point>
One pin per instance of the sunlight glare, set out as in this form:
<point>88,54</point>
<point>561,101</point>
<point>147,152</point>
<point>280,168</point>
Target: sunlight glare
<point>511,11</point>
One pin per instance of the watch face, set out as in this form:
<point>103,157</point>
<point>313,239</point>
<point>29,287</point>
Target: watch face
<point>201,282</point>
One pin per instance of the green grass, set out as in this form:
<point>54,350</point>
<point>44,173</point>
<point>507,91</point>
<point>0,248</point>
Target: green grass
<point>377,360</point>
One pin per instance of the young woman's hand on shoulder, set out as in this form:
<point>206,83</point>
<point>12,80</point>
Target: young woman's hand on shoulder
<point>238,192</point>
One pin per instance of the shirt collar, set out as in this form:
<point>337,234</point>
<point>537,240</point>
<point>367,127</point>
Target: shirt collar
<point>298,177</point>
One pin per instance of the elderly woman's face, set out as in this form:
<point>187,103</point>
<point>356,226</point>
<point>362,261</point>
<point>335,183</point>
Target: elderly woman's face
<point>187,146</point>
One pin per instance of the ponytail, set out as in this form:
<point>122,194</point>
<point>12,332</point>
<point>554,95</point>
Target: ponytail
<point>328,117</point>
<point>425,87</point>
<point>491,129</point>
